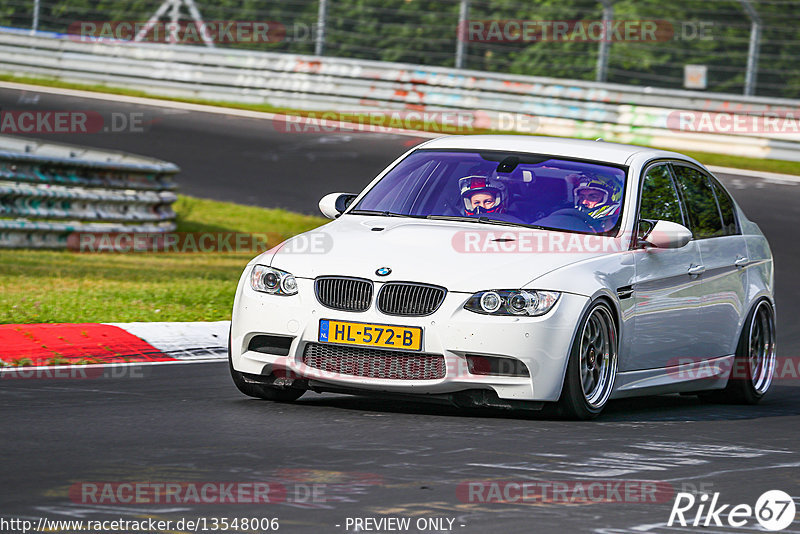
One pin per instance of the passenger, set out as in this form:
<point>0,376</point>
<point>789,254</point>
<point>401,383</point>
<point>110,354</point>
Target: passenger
<point>597,198</point>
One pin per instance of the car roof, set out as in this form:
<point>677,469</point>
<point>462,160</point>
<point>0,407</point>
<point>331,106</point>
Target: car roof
<point>616,153</point>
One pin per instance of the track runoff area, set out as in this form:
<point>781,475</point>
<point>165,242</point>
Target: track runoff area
<point>178,444</point>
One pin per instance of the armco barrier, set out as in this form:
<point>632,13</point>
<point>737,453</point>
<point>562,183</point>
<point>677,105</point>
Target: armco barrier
<point>561,107</point>
<point>48,191</point>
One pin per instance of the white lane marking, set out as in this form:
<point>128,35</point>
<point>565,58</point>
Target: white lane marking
<point>703,449</point>
<point>724,471</point>
<point>186,106</point>
<point>665,457</point>
<point>577,469</point>
<point>622,471</point>
<point>772,176</point>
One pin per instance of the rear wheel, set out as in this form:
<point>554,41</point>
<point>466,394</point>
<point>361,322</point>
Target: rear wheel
<point>592,366</point>
<point>754,363</point>
<point>260,391</point>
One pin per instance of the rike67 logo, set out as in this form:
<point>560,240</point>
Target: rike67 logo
<point>774,510</point>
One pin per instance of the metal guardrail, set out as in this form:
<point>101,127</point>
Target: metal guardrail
<point>572,108</point>
<point>49,191</point>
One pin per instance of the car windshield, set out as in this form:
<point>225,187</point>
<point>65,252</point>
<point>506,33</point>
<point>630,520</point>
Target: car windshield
<point>500,188</point>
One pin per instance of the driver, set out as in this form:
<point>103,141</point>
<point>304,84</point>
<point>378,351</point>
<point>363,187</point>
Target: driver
<point>482,194</point>
<point>596,197</point>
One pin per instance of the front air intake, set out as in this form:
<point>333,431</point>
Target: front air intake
<point>374,363</point>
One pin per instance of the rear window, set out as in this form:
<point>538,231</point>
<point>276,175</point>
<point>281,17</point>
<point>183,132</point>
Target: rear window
<point>726,209</point>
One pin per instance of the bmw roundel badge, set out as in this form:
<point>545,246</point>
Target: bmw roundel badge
<point>383,271</point>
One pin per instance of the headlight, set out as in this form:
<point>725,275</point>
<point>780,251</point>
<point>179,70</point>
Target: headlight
<point>512,302</point>
<point>272,281</point>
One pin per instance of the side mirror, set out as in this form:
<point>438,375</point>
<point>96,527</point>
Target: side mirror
<point>334,204</point>
<point>664,234</point>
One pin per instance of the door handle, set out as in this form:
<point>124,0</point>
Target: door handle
<point>697,270</point>
<point>741,261</point>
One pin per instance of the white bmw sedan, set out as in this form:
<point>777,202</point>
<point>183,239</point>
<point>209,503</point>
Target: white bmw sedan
<point>516,272</point>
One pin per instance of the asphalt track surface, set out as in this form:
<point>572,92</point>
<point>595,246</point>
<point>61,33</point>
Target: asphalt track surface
<point>373,457</point>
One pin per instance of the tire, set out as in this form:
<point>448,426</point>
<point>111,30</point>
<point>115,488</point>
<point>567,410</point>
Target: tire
<point>260,391</point>
<point>754,363</point>
<point>592,366</point>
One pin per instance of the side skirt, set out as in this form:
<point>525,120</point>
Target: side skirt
<point>688,377</point>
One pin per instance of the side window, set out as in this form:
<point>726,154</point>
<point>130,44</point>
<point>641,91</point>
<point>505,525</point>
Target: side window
<point>659,198</point>
<point>725,209</point>
<point>700,202</point>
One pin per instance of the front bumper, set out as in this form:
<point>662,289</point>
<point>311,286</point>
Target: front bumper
<point>542,344</point>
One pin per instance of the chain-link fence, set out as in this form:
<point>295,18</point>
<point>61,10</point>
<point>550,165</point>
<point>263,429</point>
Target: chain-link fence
<point>739,46</point>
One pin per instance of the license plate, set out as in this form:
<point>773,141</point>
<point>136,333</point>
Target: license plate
<point>370,335</point>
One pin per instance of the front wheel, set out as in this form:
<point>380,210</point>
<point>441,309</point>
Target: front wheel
<point>592,366</point>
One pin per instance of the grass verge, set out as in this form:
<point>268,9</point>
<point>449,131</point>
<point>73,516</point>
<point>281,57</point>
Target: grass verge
<point>38,286</point>
<point>707,158</point>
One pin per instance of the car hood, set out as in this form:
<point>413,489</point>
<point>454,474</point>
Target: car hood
<point>465,257</point>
